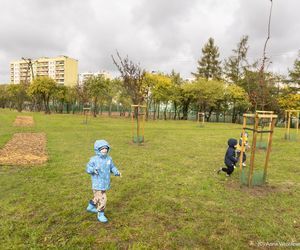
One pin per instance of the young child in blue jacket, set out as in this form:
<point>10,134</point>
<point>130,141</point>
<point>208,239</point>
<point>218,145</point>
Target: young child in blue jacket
<point>99,167</point>
<point>230,158</point>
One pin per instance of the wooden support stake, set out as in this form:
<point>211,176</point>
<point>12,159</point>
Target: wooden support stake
<point>138,113</point>
<point>86,112</point>
<point>143,126</point>
<point>255,130</point>
<point>243,145</point>
<point>250,175</point>
<point>269,149</point>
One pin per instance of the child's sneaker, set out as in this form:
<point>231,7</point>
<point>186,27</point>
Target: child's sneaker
<point>101,217</point>
<point>227,175</point>
<point>244,164</point>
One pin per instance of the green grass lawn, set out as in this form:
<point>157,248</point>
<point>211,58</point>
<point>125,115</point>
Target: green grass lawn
<point>168,198</point>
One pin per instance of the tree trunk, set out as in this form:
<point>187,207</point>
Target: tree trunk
<point>175,110</point>
<point>95,107</point>
<point>61,110</point>
<point>217,116</point>
<point>148,105</point>
<point>20,106</point>
<point>47,108</point>
<point>208,115</point>
<point>165,112</point>
<point>68,108</point>
<point>185,110</point>
<point>154,111</point>
<point>233,120</point>
<point>110,108</point>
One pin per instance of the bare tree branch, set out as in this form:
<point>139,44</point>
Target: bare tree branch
<point>133,76</point>
<point>262,82</point>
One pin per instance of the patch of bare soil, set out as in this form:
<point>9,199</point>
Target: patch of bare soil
<point>287,187</point>
<point>24,149</point>
<point>24,121</point>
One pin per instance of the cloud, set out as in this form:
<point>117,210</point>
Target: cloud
<point>251,18</point>
<point>160,35</point>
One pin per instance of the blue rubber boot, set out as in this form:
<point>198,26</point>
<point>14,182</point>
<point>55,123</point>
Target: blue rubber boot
<point>92,207</point>
<point>101,217</point>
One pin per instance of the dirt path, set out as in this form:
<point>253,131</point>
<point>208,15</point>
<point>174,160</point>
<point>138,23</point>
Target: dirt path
<point>24,149</point>
<point>24,121</point>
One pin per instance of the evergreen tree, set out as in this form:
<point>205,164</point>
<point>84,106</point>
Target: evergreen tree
<point>209,65</point>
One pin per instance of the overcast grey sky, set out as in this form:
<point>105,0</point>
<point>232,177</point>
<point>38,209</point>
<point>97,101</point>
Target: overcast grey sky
<point>159,34</point>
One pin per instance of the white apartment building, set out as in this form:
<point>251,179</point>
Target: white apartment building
<point>82,77</point>
<point>62,69</point>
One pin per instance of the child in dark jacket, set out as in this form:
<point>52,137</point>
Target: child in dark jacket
<point>230,158</point>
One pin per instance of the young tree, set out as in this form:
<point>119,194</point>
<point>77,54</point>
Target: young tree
<point>4,96</point>
<point>96,89</point>
<point>290,101</point>
<point>133,76</point>
<point>159,91</point>
<point>112,90</point>
<point>149,82</point>
<point>176,91</point>
<point>264,93</point>
<point>162,91</point>
<point>71,98</point>
<point>209,96</point>
<point>261,96</point>
<point>82,94</point>
<point>124,100</point>
<point>209,65</point>
<point>60,97</point>
<point>18,95</point>
<point>43,87</point>
<point>237,98</point>
<point>188,95</point>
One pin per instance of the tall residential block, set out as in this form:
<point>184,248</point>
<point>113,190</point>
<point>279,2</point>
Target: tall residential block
<point>63,69</point>
<point>83,77</point>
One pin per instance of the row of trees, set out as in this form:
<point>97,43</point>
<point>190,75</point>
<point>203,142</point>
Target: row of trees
<point>265,90</point>
<point>43,94</point>
<point>234,86</point>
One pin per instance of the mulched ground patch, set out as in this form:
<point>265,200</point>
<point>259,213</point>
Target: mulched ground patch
<point>284,187</point>
<point>24,121</point>
<point>24,149</point>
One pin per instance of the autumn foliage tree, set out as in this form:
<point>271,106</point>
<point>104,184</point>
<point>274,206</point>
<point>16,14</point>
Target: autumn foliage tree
<point>18,94</point>
<point>132,75</point>
<point>96,88</point>
<point>43,88</point>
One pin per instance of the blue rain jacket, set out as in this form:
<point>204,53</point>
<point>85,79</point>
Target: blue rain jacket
<point>103,164</point>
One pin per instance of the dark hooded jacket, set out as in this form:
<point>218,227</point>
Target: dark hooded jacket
<point>230,158</point>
